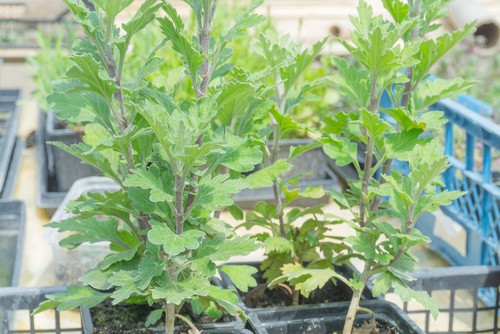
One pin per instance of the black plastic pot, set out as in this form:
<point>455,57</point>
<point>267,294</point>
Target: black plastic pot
<point>327,318</point>
<point>313,163</point>
<point>9,121</point>
<point>58,169</point>
<point>346,270</point>
<point>234,326</point>
<point>12,222</point>
<point>12,170</point>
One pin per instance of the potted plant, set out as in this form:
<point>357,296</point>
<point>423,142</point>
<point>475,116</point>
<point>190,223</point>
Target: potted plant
<point>385,64</point>
<point>290,235</point>
<point>167,157</point>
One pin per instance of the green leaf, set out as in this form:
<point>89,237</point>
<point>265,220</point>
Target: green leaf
<point>144,16</point>
<point>286,123</point>
<point>430,92</point>
<point>112,8</point>
<point>89,230</point>
<point>149,268</point>
<point>236,212</point>
<point>241,276</point>
<point>153,317</point>
<point>125,285</point>
<point>226,299</point>
<point>92,75</point>
<point>398,9</point>
<point>220,249</point>
<point>118,257</point>
<point>433,50</point>
<point>237,154</point>
<point>342,150</point>
<point>373,123</point>
<point>339,198</point>
<point>160,183</point>
<point>80,108</point>
<point>279,245</point>
<point>353,82</point>
<point>406,294</point>
<point>401,142</point>
<point>244,21</point>
<point>98,279</point>
<point>266,176</point>
<point>290,73</point>
<point>172,29</point>
<point>296,151</point>
<point>75,297</point>
<point>216,192</point>
<point>173,244</point>
<point>382,283</point>
<point>304,279</point>
<point>178,292</point>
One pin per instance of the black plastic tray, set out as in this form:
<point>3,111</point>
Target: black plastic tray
<point>58,169</point>
<point>327,318</point>
<point>12,225</point>
<point>13,171</point>
<point>66,168</point>
<point>9,121</point>
<point>28,299</point>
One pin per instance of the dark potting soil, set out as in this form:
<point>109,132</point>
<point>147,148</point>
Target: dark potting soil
<point>317,328</point>
<point>129,319</point>
<point>379,328</point>
<point>261,296</point>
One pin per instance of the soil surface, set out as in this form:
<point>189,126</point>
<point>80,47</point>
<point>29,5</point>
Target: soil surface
<point>129,319</point>
<point>261,296</point>
<point>378,328</point>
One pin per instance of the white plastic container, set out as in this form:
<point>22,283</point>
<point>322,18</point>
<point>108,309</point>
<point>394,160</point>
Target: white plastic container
<point>70,265</point>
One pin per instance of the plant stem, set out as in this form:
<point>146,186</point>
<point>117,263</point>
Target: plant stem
<point>281,102</point>
<point>189,323</point>
<point>179,206</point>
<point>276,189</point>
<point>365,182</point>
<point>368,154</point>
<point>204,36</point>
<point>353,310</point>
<point>169,318</point>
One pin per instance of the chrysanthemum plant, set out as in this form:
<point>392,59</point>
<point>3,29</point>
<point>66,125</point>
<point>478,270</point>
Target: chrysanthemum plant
<point>176,162</point>
<point>394,56</point>
<point>294,238</point>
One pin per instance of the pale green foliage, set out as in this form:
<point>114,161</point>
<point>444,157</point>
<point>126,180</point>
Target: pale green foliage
<point>48,65</point>
<point>175,161</point>
<point>297,237</point>
<point>383,63</point>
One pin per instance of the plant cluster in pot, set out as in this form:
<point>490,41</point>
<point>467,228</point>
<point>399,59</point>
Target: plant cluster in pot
<point>390,54</point>
<point>175,161</point>
<point>178,162</point>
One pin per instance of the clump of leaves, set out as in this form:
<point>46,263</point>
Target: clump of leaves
<point>391,55</point>
<point>176,161</point>
<point>49,63</point>
<point>297,237</point>
<point>465,61</point>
